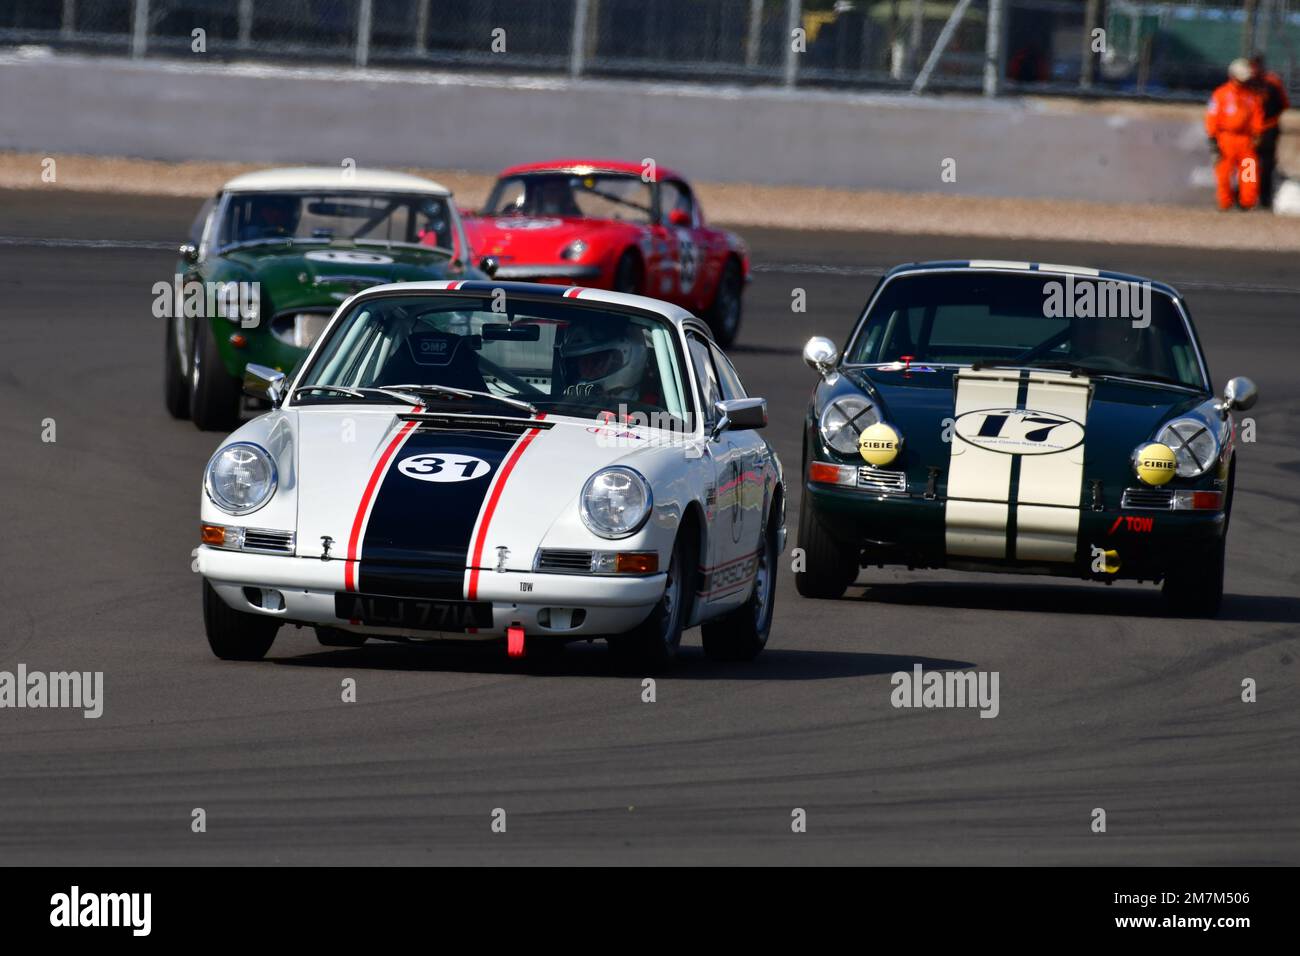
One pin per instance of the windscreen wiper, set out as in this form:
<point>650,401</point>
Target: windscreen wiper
<point>447,390</point>
<point>363,393</point>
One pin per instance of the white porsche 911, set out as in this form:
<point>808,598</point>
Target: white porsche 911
<point>497,461</point>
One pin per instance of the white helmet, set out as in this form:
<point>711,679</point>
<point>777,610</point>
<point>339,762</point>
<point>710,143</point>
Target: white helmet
<point>604,358</point>
<point>1241,70</point>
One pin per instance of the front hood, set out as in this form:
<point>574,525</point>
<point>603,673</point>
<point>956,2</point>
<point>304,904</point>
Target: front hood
<point>1120,415</point>
<point>524,240</point>
<point>410,498</point>
<point>301,274</point>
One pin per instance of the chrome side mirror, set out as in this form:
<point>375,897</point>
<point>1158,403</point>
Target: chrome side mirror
<point>1238,395</point>
<point>739,414</point>
<point>189,252</point>
<point>489,265</point>
<point>821,355</point>
<point>264,383</point>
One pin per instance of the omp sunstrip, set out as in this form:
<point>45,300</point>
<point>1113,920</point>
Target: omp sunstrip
<point>1016,465</point>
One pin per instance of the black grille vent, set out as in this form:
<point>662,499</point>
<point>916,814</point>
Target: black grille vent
<point>1148,499</point>
<point>275,542</point>
<point>555,559</point>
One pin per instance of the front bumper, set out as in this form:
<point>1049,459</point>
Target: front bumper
<point>610,604</point>
<point>910,530</point>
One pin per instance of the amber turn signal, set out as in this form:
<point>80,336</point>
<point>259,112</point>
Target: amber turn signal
<point>213,534</point>
<point>636,562</point>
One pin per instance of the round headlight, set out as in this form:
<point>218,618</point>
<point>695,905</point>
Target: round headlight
<point>1194,445</point>
<point>615,502</point>
<point>844,420</point>
<point>574,250</point>
<point>240,478</point>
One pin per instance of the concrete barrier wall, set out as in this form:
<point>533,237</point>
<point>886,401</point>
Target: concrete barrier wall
<point>178,110</point>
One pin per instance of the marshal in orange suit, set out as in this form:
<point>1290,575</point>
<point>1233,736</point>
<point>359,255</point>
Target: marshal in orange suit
<point>1234,121</point>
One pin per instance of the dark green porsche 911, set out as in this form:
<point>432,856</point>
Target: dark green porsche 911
<point>272,256</point>
<point>1009,416</point>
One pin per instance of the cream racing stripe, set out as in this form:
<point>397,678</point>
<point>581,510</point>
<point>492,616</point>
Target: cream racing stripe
<point>979,480</point>
<point>1047,512</point>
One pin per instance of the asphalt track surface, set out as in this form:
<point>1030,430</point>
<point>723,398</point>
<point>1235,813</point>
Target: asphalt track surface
<point>1105,702</point>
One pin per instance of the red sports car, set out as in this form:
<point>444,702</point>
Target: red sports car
<point>612,225</point>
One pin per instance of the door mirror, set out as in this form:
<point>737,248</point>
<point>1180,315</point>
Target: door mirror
<point>489,265</point>
<point>821,355</point>
<point>189,252</point>
<point>739,414</point>
<point>679,217</point>
<point>1238,395</point>
<point>264,383</point>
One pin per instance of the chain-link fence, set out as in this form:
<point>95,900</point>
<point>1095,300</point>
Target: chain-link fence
<point>1097,47</point>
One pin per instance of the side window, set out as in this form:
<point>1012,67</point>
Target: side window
<point>707,376</point>
<point>728,380</point>
<point>674,196</point>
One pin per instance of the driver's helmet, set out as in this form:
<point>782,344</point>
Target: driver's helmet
<point>273,216</point>
<point>1111,337</point>
<point>604,358</point>
<point>554,197</point>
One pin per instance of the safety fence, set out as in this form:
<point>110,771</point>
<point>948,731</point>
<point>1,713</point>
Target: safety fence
<point>1073,47</point>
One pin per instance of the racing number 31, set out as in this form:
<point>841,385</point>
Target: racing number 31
<point>443,467</point>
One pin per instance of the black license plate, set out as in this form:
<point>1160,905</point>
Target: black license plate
<point>415,613</point>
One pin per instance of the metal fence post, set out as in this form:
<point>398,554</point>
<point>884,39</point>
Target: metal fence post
<point>1088,68</point>
<point>245,24</point>
<point>139,29</point>
<point>793,16</point>
<point>68,22</point>
<point>914,39</point>
<point>754,36</point>
<point>421,25</point>
<point>364,11</point>
<point>993,54</point>
<point>578,48</point>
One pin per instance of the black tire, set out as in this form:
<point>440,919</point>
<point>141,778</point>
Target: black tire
<point>176,387</point>
<point>333,637</point>
<point>215,397</point>
<point>235,635</point>
<point>627,274</point>
<point>829,567</point>
<point>1194,586</point>
<point>724,313</point>
<point>652,645</point>
<point>741,635</point>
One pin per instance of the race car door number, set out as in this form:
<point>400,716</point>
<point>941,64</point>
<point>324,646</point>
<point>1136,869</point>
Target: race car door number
<point>417,613</point>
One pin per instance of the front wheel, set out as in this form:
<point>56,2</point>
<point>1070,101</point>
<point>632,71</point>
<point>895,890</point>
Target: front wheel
<point>236,635</point>
<point>723,316</point>
<point>741,635</point>
<point>215,396</point>
<point>653,643</point>
<point>828,567</point>
<point>1194,586</point>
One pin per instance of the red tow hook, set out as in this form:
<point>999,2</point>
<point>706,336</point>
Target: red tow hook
<point>515,641</point>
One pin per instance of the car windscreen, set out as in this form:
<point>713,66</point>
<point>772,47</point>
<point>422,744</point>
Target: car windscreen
<point>591,196</point>
<point>328,216</point>
<point>1035,319</point>
<point>562,359</point>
